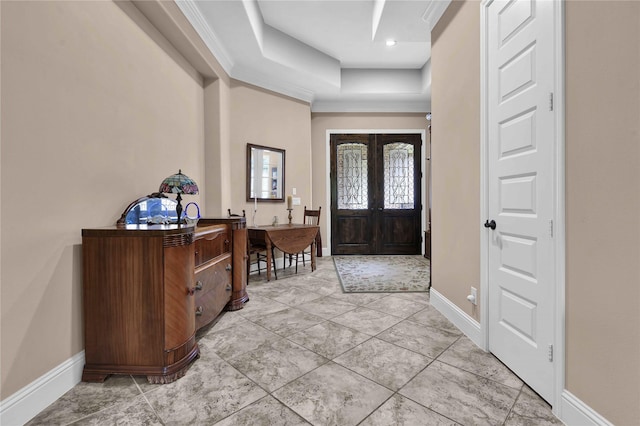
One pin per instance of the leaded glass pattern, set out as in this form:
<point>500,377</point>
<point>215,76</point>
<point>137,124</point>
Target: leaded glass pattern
<point>398,176</point>
<point>352,176</point>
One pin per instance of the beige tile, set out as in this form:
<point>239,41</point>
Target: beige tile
<point>288,321</point>
<point>211,391</point>
<point>531,410</point>
<point>461,396</point>
<point>233,341</point>
<point>333,395</point>
<point>367,321</point>
<point>360,299</point>
<point>431,317</point>
<point>466,355</point>
<point>277,363</point>
<point>396,306</point>
<point>420,297</point>
<point>427,341</point>
<point>265,412</point>
<point>386,364</point>
<point>400,411</point>
<point>86,399</point>
<point>258,306</point>
<point>327,307</point>
<point>329,339</point>
<point>294,296</point>
<point>133,412</point>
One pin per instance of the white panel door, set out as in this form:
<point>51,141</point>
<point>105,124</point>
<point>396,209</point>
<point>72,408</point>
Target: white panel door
<point>521,132</point>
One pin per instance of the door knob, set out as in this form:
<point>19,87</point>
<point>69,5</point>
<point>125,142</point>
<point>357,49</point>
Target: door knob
<point>491,224</point>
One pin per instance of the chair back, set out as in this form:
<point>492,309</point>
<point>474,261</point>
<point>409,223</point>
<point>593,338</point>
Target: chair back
<point>311,217</point>
<point>235,215</point>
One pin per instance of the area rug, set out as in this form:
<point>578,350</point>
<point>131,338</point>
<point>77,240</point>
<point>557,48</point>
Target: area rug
<point>376,274</point>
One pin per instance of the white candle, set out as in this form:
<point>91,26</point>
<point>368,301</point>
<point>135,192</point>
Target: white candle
<point>255,202</point>
<point>289,202</point>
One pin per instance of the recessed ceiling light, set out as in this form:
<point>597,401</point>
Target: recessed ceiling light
<point>391,43</point>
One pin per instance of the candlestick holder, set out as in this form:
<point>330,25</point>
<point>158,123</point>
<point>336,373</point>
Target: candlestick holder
<point>290,217</point>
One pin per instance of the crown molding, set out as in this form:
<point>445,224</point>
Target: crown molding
<point>434,12</point>
<point>371,105</point>
<point>194,16</point>
<point>255,77</point>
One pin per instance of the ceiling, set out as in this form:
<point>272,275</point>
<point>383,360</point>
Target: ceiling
<point>330,53</point>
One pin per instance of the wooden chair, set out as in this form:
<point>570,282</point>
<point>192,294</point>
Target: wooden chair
<point>311,217</point>
<point>255,249</point>
<point>259,250</point>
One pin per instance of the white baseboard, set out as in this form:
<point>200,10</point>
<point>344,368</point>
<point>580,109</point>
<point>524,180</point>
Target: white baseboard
<point>25,404</point>
<point>469,326</point>
<point>574,412</point>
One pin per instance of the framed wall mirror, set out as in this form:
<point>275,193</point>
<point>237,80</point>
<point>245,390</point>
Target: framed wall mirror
<point>265,173</point>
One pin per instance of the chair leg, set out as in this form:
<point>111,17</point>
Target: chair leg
<point>297,262</point>
<point>258,262</point>
<point>273,257</point>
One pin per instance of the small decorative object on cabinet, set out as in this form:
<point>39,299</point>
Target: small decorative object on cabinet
<point>149,287</point>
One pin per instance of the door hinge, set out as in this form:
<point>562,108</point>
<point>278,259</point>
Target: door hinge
<point>551,228</point>
<point>551,101</point>
<point>550,353</point>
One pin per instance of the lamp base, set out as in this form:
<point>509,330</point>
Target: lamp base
<point>179,209</point>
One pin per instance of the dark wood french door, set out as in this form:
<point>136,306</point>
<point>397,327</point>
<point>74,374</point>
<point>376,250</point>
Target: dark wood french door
<point>375,194</point>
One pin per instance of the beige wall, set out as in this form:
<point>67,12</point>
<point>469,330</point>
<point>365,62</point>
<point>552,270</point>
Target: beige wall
<point>96,110</point>
<point>217,145</point>
<point>603,207</point>
<point>602,190</point>
<point>455,154</point>
<point>321,122</point>
<point>262,117</point>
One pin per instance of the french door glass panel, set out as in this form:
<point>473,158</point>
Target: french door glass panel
<point>398,175</point>
<point>352,176</point>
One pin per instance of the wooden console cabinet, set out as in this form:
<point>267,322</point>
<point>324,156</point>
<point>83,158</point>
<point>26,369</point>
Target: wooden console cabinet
<point>149,288</point>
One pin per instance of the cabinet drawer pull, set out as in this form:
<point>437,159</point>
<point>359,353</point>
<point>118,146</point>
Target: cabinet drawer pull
<point>228,267</point>
<point>228,287</point>
<point>198,285</point>
<point>199,311</point>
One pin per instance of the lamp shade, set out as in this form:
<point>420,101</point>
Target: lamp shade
<point>178,184</point>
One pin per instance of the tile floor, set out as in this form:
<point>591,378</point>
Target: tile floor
<point>302,352</point>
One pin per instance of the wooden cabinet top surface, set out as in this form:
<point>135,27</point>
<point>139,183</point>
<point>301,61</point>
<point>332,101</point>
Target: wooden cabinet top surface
<point>138,230</point>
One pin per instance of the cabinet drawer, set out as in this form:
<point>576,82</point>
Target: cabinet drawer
<point>211,245</point>
<point>216,274</point>
<point>210,304</point>
<point>213,290</point>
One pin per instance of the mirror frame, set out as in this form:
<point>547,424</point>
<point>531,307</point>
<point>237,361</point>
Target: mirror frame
<point>250,164</point>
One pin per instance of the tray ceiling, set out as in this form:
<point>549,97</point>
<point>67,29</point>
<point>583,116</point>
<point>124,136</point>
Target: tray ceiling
<point>330,53</point>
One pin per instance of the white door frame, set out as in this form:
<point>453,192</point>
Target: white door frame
<point>423,186</point>
<point>559,202</point>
